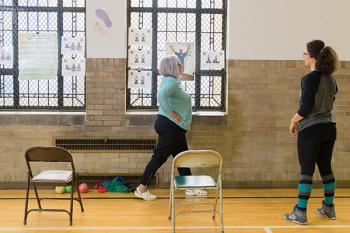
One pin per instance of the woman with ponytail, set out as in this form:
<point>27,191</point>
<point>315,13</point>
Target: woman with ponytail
<point>316,130</point>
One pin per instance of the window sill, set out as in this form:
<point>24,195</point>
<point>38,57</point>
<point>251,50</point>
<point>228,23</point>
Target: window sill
<point>201,113</point>
<point>41,113</point>
<point>42,118</point>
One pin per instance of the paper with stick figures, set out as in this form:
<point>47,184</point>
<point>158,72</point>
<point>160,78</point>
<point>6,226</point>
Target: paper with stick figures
<point>6,55</point>
<point>213,60</point>
<point>73,46</point>
<point>73,67</point>
<point>140,37</point>
<point>141,79</point>
<point>140,58</point>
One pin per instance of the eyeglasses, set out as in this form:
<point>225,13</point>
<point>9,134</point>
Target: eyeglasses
<point>306,53</point>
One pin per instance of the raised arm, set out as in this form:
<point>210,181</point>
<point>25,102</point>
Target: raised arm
<point>172,49</point>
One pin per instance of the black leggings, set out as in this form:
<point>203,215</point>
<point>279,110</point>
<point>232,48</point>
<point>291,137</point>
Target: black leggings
<point>315,146</point>
<point>171,141</point>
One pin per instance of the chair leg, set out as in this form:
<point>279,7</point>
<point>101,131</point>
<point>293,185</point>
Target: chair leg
<point>170,200</point>
<point>80,201</point>
<point>215,204</point>
<point>173,209</point>
<point>26,203</point>
<point>71,204</point>
<point>221,211</point>
<point>37,196</point>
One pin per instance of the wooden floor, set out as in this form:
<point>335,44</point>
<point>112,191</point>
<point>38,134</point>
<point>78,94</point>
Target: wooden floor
<point>245,211</point>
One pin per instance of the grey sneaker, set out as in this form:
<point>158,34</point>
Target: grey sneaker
<point>328,211</point>
<point>297,216</point>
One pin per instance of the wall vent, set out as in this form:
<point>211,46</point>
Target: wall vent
<point>128,145</point>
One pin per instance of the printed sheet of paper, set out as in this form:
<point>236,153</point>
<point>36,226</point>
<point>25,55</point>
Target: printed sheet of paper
<point>73,46</point>
<point>38,56</point>
<point>140,79</point>
<point>140,58</point>
<point>185,51</point>
<point>73,67</point>
<point>104,28</point>
<point>6,55</point>
<point>140,37</point>
<point>213,60</point>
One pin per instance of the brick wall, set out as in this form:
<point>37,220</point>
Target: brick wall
<point>253,137</point>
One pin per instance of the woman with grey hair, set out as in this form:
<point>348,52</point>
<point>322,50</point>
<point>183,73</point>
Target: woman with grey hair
<point>173,121</point>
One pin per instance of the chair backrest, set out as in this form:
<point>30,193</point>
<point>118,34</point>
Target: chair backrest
<point>198,159</point>
<point>48,154</point>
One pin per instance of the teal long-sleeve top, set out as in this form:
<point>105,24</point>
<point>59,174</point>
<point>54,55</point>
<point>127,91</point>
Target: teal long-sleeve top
<point>171,97</point>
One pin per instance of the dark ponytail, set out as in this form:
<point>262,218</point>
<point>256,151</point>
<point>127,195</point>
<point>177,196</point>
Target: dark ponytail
<point>327,61</point>
<point>326,57</point>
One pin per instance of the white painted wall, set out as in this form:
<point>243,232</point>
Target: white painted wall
<point>259,29</point>
<point>279,29</point>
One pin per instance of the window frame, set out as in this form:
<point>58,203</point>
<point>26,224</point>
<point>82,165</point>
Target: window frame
<point>60,9</point>
<point>198,11</point>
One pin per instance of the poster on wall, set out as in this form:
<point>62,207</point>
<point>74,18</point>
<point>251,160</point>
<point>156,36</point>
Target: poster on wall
<point>105,28</point>
<point>37,56</point>
<point>73,46</point>
<point>140,37</point>
<point>141,79</point>
<point>213,60</point>
<point>140,58</point>
<point>185,51</point>
<point>73,66</point>
<point>6,55</point>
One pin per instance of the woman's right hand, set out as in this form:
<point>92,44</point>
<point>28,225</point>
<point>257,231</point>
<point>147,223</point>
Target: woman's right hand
<point>176,116</point>
<point>293,129</point>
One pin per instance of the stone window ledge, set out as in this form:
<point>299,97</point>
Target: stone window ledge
<point>42,118</point>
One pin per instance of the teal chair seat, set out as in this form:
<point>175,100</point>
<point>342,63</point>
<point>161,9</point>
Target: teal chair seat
<point>188,182</point>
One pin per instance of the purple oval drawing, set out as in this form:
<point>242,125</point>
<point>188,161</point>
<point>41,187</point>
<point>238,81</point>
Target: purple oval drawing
<point>104,17</point>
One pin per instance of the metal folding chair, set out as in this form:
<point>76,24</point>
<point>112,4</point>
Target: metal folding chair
<point>51,177</point>
<point>196,159</point>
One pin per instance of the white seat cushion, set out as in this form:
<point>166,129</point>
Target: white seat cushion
<point>195,182</point>
<point>53,176</point>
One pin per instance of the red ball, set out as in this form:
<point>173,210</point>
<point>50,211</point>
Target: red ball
<point>83,188</point>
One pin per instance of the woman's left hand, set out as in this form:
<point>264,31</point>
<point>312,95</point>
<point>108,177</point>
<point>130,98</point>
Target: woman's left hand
<point>176,116</point>
<point>293,129</point>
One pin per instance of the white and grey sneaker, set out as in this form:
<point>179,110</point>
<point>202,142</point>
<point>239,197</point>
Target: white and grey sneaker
<point>297,216</point>
<point>196,192</point>
<point>147,196</point>
<point>327,211</point>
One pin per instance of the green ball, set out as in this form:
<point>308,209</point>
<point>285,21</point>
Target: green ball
<point>69,189</point>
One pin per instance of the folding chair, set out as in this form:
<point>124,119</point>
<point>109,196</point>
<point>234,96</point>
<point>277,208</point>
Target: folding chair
<point>196,159</point>
<point>51,177</point>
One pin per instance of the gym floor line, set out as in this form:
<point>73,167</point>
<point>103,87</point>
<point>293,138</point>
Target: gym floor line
<point>267,229</point>
<point>128,198</point>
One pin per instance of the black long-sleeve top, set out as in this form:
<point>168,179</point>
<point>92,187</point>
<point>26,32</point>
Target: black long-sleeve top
<point>317,96</point>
